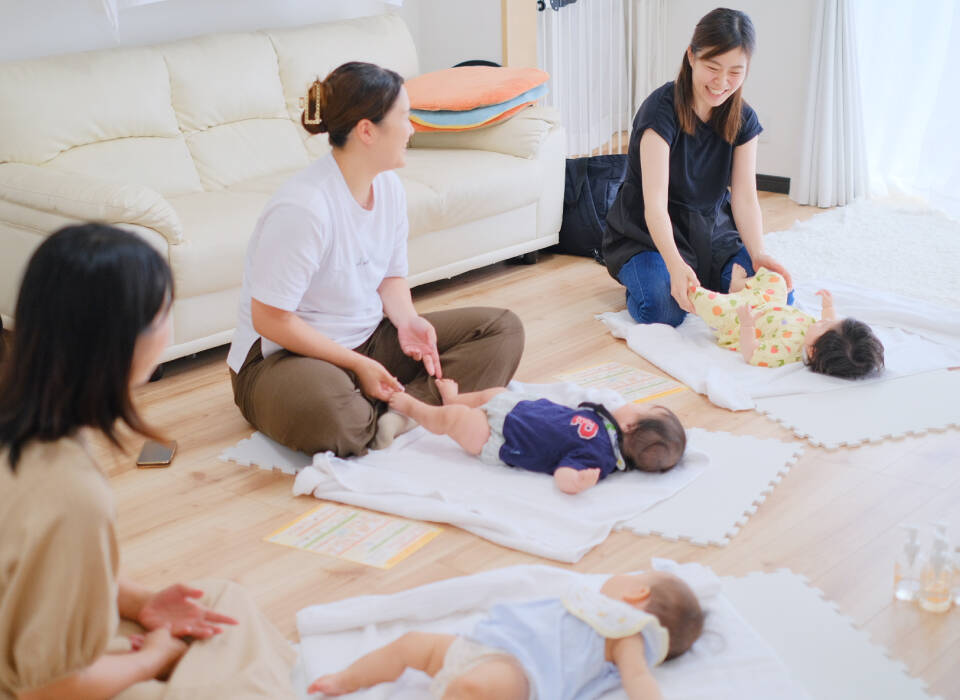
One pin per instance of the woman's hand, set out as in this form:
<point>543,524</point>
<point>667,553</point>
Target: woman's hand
<point>375,381</point>
<point>418,339</point>
<point>164,651</point>
<point>173,609</point>
<point>683,280</point>
<point>767,261</point>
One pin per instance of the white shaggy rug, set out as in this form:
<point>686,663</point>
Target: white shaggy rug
<point>894,245</point>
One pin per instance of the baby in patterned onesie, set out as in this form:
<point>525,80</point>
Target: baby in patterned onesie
<point>577,647</point>
<point>755,320</point>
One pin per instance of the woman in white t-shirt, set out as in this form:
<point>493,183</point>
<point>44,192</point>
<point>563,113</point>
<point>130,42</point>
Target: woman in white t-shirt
<point>327,330</point>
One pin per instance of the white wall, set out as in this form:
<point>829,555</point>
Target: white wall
<point>451,31</point>
<point>777,84</point>
<point>32,28</point>
<point>445,31</point>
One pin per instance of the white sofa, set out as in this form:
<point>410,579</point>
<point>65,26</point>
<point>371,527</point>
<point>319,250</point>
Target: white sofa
<point>185,142</point>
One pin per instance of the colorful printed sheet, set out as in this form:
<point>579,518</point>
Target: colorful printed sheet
<point>356,535</point>
<point>633,384</point>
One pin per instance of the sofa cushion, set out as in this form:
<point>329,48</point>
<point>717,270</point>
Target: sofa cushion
<point>465,88</point>
<point>228,100</point>
<point>112,106</point>
<point>218,226</point>
<point>468,185</point>
<point>163,164</point>
<point>307,53</point>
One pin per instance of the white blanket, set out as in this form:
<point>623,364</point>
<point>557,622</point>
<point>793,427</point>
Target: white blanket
<point>917,338</point>
<point>429,477</point>
<point>730,661</point>
<point>705,499</point>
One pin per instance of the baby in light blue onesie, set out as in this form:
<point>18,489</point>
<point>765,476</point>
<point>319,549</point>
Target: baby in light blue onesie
<point>572,648</point>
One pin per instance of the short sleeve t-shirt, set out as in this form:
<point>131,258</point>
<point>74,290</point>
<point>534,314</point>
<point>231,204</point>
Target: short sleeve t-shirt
<point>315,251</point>
<point>541,435</point>
<point>698,202</point>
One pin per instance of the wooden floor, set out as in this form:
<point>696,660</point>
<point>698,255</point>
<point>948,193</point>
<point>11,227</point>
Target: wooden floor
<point>834,518</point>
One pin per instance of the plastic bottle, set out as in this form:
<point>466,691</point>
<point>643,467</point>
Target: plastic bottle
<point>906,574</point>
<point>936,579</point>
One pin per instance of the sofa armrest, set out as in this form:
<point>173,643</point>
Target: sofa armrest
<point>88,198</point>
<point>520,135</point>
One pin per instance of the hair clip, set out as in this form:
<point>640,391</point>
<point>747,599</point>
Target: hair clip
<point>312,116</point>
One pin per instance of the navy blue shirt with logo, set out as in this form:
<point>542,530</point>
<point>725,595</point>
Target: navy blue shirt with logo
<point>540,436</point>
<point>698,201</point>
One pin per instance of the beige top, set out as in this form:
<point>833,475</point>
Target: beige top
<point>58,592</point>
<point>58,565</point>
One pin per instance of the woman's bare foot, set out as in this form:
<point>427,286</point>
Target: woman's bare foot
<point>738,277</point>
<point>448,390</point>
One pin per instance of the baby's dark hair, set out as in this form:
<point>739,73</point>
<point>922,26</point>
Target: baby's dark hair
<point>849,351</point>
<point>675,605</point>
<point>655,444</point>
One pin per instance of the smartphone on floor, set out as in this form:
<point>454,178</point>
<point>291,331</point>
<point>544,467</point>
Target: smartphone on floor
<point>156,454</point>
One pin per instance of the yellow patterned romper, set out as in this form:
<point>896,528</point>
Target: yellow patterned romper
<point>780,330</point>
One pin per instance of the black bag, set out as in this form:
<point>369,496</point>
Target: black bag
<point>592,184</point>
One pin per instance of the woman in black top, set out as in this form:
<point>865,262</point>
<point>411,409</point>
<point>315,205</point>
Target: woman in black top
<point>674,224</point>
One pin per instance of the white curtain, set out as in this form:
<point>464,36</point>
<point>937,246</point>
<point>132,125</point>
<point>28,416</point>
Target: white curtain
<point>833,165</point>
<point>911,97</point>
<point>603,57</point>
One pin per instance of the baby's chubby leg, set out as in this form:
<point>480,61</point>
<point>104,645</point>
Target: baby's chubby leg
<point>495,679</point>
<point>738,278</point>
<point>418,650</point>
<point>467,426</point>
<point>450,393</point>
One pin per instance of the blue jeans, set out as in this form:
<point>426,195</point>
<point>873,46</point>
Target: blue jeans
<point>648,287</point>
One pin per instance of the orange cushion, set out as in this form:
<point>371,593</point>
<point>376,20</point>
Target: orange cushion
<point>469,87</point>
<point>499,118</point>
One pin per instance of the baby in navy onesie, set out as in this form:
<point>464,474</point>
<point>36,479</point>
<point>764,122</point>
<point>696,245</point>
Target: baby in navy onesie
<point>578,446</point>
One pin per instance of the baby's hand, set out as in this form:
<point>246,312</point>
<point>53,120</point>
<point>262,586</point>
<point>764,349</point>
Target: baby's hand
<point>328,685</point>
<point>827,300</point>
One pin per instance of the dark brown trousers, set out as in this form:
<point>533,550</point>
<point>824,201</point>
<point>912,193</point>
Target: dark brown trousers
<point>313,406</point>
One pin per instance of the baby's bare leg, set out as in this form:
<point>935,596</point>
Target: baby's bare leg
<point>497,679</point>
<point>418,650</point>
<point>468,426</point>
<point>450,393</point>
<point>738,278</point>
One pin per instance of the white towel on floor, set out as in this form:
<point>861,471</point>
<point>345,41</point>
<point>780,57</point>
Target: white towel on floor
<point>917,338</point>
<point>429,477</point>
<point>729,661</point>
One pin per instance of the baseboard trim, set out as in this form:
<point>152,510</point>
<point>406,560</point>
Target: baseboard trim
<point>773,183</point>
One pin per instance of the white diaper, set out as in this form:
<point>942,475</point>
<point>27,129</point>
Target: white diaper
<point>462,656</point>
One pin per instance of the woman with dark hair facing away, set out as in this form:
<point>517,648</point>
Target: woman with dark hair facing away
<point>327,330</point>
<point>674,225</point>
<point>93,317</point>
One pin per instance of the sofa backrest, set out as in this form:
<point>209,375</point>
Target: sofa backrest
<point>305,53</point>
<point>198,114</point>
<point>103,113</point>
<point>228,101</point>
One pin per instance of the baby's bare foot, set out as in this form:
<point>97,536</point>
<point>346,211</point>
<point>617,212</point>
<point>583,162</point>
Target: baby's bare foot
<point>448,389</point>
<point>400,402</point>
<point>738,276</point>
<point>328,685</point>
